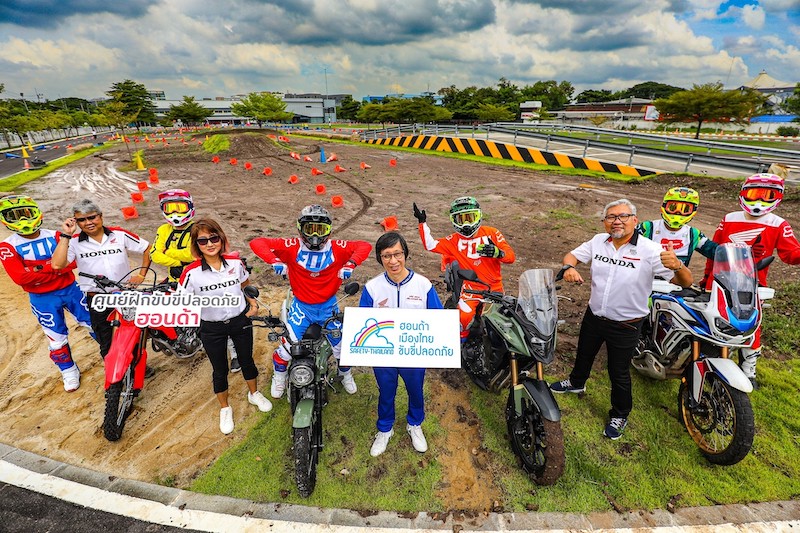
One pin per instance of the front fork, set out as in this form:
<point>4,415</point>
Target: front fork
<point>695,374</point>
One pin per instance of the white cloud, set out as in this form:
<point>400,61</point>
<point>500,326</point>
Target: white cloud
<point>753,16</point>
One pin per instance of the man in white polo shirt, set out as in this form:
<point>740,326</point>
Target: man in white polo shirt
<point>623,266</point>
<point>99,250</point>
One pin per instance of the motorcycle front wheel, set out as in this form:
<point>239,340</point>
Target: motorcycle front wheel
<point>306,455</point>
<point>536,441</point>
<point>119,401</point>
<point>722,425</point>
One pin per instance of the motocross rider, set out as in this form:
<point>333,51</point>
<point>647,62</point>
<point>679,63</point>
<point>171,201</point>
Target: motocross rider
<point>764,231</point>
<point>99,250</point>
<point>172,245</point>
<point>315,266</point>
<point>27,258</point>
<point>678,208</point>
<point>473,246</point>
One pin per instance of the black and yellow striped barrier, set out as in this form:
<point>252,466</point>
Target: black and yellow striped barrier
<point>497,150</point>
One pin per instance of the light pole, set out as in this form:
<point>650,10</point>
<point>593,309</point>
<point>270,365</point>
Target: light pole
<point>325,116</point>
<point>22,97</point>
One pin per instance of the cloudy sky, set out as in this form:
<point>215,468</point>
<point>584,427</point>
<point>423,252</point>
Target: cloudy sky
<point>219,48</point>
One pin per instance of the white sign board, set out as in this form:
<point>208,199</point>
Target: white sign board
<point>406,338</point>
<point>651,113</point>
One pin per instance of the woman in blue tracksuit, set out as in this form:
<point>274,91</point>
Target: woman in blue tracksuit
<point>398,287</point>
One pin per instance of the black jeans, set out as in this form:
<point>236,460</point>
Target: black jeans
<point>621,339</point>
<point>103,330</point>
<point>214,336</point>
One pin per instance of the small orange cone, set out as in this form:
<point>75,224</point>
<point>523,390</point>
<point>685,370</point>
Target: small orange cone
<point>267,171</point>
<point>337,201</point>
<point>393,162</point>
<point>389,223</point>
<point>337,168</point>
<point>316,172</point>
<point>283,139</point>
<point>130,212</point>
<point>333,157</point>
<point>320,188</point>
<point>364,166</point>
<point>293,179</point>
<point>154,178</point>
<point>27,165</point>
<point>294,155</point>
<point>234,161</point>
<point>137,197</point>
<point>308,159</point>
<point>215,159</point>
<point>142,185</point>
<point>248,165</point>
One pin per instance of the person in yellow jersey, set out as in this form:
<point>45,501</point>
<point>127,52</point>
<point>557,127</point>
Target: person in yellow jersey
<point>172,245</point>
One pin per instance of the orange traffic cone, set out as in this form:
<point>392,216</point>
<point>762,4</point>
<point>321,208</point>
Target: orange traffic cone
<point>332,157</point>
<point>393,162</point>
<point>215,159</point>
<point>27,164</point>
<point>248,165</point>
<point>364,166</point>
<point>337,168</point>
<point>293,179</point>
<point>337,201</point>
<point>320,189</point>
<point>234,161</point>
<point>130,212</point>
<point>316,172</point>
<point>308,159</point>
<point>389,223</point>
<point>267,171</point>
<point>137,197</point>
<point>142,185</point>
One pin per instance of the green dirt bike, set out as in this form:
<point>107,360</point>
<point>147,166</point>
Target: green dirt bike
<point>515,338</point>
<point>312,371</point>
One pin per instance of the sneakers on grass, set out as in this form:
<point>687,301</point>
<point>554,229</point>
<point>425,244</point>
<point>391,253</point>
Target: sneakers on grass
<point>260,401</point>
<point>417,438</point>
<point>565,385</point>
<point>381,441</point>
<point>348,382</point>
<point>615,427</point>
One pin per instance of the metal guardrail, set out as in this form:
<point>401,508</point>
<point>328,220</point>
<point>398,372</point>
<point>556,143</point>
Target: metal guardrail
<point>523,130</point>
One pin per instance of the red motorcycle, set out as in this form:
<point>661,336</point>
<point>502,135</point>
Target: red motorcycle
<point>127,358</point>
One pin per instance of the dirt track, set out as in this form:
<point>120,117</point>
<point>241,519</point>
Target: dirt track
<point>543,215</point>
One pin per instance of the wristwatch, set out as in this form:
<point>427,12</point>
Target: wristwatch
<point>64,235</point>
<point>566,267</point>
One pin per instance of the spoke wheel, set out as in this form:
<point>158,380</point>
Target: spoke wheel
<point>722,424</point>
<point>537,442</point>
<point>119,400</point>
<point>307,443</point>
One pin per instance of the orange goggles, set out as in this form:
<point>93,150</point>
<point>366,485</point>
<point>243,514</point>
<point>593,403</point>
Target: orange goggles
<point>762,194</point>
<point>674,207</point>
<point>175,207</point>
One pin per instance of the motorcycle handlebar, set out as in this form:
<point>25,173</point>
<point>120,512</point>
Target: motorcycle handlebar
<point>104,283</point>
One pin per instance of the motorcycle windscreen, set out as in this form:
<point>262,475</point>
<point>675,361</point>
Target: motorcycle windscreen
<point>735,271</point>
<point>537,299</point>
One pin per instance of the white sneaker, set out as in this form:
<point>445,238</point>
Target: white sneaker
<point>278,386</point>
<point>260,401</point>
<point>348,382</point>
<point>226,420</point>
<point>417,438</point>
<point>381,440</point>
<point>72,378</point>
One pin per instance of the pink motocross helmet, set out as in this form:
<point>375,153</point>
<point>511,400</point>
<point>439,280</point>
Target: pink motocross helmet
<point>761,194</point>
<point>176,206</point>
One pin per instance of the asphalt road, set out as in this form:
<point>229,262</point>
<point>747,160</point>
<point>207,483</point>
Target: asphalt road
<point>12,165</point>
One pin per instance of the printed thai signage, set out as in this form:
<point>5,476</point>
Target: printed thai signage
<point>407,338</point>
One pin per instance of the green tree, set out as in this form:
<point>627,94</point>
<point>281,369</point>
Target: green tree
<point>709,103</point>
<point>188,112</point>
<point>371,113</point>
<point>263,107</point>
<point>349,108</point>
<point>594,95</point>
<point>135,100</point>
<point>553,95</point>
<point>792,104</point>
<point>113,113</point>
<point>651,90</point>
<point>416,110</point>
<point>494,113</point>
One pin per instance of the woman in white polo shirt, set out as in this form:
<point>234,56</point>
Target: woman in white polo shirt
<point>217,273</point>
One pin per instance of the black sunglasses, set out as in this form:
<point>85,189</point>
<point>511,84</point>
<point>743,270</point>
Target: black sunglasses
<point>214,239</point>
<point>84,219</point>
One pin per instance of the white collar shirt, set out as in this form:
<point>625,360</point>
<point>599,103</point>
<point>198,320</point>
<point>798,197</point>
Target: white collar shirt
<point>622,279</point>
<point>109,257</point>
<point>202,279</point>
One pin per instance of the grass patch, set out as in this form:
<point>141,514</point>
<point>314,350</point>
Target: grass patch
<point>12,182</point>
<point>216,144</point>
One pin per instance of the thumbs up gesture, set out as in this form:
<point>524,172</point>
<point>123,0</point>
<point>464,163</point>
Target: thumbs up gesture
<point>670,260</point>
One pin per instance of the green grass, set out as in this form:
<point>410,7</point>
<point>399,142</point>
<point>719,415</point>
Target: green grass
<point>12,182</point>
<point>216,144</point>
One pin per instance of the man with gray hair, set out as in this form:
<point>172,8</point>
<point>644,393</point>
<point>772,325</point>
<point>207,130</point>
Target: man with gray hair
<point>623,267</point>
<point>99,250</point>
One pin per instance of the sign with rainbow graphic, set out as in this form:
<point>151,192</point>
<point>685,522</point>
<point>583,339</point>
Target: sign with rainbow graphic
<point>408,338</point>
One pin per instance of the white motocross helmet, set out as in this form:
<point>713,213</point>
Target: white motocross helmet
<point>177,206</point>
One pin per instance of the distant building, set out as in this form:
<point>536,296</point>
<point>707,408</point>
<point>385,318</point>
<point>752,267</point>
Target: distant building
<point>438,99</point>
<point>157,95</point>
<point>776,91</point>
<point>616,110</point>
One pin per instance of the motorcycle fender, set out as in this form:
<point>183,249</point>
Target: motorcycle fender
<point>539,393</point>
<point>121,353</point>
<point>170,332</point>
<point>730,373</point>
<point>302,413</point>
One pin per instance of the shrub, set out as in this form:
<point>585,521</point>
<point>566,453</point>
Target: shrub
<point>788,131</point>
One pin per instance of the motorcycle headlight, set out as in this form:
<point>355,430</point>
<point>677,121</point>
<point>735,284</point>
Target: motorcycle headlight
<point>301,374</point>
<point>725,327</point>
<point>128,313</point>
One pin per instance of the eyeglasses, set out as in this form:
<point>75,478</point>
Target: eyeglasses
<point>673,207</point>
<point>396,256</point>
<point>763,194</point>
<point>622,217</point>
<point>203,241</point>
<point>316,229</point>
<point>87,217</point>
<point>175,207</point>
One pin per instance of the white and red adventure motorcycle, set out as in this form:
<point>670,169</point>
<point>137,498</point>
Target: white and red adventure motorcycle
<point>691,334</point>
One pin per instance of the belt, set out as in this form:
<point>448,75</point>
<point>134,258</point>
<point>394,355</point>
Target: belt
<point>631,321</point>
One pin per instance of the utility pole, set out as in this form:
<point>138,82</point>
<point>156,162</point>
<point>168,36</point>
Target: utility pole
<point>325,117</point>
<point>22,97</point>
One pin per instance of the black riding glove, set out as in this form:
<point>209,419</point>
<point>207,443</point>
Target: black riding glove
<point>490,250</point>
<point>419,215</point>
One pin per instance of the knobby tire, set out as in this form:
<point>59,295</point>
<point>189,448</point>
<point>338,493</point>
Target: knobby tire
<point>114,418</point>
<point>536,441</point>
<point>306,455</point>
<point>723,426</point>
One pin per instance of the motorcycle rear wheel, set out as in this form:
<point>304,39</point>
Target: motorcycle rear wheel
<point>119,401</point>
<point>536,441</point>
<point>722,425</point>
<point>306,455</point>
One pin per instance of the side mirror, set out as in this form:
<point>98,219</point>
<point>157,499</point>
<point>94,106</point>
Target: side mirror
<point>251,292</point>
<point>352,288</point>
<point>468,275</point>
<point>764,263</point>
